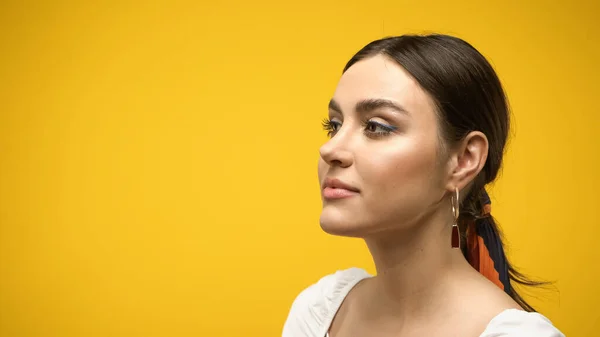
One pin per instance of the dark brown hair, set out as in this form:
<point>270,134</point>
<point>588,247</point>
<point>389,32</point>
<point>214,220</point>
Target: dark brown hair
<point>469,97</point>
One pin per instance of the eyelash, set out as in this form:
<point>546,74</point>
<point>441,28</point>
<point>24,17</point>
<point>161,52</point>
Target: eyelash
<point>330,127</point>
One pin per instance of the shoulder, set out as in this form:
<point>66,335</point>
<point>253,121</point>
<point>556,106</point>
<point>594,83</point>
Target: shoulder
<point>314,307</point>
<point>519,323</point>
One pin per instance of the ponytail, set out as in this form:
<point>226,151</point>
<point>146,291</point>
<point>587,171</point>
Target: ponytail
<point>485,251</point>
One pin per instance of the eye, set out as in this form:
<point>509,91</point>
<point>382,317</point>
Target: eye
<point>371,128</point>
<point>376,129</point>
<point>331,126</point>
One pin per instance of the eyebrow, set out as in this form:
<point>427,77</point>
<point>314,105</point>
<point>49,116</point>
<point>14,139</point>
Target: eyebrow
<point>371,104</point>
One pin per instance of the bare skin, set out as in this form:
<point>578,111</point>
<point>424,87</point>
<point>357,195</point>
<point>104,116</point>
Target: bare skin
<point>404,179</point>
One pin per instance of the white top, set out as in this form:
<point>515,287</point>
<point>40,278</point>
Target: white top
<point>314,309</point>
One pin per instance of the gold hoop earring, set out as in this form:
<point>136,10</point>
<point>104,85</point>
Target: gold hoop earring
<point>455,200</point>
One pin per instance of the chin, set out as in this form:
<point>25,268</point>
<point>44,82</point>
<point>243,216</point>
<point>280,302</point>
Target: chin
<point>334,222</point>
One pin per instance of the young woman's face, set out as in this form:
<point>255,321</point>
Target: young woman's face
<point>384,144</point>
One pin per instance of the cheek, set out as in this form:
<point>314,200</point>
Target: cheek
<point>400,171</point>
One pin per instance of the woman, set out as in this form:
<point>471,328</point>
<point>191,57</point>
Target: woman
<point>417,128</point>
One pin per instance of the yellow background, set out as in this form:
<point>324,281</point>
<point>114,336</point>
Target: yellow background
<point>158,160</point>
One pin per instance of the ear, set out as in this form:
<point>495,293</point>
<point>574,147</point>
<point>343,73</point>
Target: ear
<point>467,160</point>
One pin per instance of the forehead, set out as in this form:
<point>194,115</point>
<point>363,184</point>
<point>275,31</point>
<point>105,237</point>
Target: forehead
<point>381,77</point>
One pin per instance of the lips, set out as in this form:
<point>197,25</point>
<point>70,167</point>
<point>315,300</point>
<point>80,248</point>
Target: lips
<point>338,184</point>
<point>337,189</point>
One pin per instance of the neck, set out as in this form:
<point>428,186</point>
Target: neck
<point>416,271</point>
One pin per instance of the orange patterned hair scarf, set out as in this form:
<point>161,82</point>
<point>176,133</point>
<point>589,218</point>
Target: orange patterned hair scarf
<point>484,247</point>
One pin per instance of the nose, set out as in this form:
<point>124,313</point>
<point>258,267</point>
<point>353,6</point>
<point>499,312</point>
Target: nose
<point>335,152</point>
